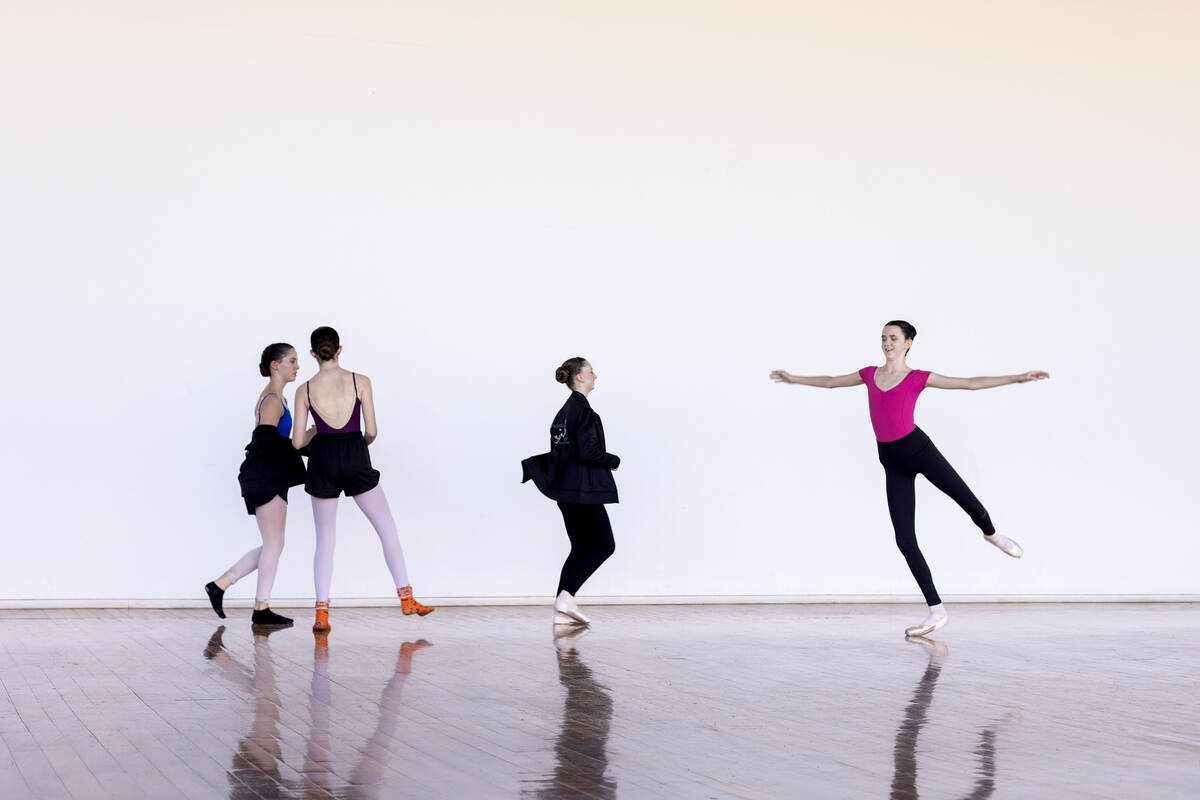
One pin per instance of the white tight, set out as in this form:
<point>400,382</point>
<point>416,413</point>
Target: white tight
<point>374,505</point>
<point>271,518</point>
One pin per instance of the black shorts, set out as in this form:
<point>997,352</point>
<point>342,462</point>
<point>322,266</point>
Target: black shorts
<point>339,462</point>
<point>256,499</point>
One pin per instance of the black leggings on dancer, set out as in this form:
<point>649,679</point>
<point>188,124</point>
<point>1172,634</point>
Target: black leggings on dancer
<point>591,543</point>
<point>902,461</point>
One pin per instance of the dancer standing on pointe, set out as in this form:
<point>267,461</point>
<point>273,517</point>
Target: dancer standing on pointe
<point>905,451</point>
<point>577,472</point>
<point>272,466</point>
<point>338,462</point>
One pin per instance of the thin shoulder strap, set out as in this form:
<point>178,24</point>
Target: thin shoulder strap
<point>308,394</point>
<point>258,411</point>
<point>354,378</point>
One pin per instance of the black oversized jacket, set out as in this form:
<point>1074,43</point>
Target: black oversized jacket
<point>271,464</point>
<point>577,469</point>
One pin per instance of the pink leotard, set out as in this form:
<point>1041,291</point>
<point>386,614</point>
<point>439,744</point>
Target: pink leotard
<point>892,411</point>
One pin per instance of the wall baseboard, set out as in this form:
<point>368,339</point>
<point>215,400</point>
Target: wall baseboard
<point>652,600</point>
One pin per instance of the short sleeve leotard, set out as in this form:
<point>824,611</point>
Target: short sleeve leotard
<point>892,411</point>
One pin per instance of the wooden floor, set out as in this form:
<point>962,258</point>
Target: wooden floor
<point>1017,701</point>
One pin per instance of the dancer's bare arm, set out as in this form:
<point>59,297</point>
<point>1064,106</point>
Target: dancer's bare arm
<point>300,437</point>
<point>270,410</point>
<point>822,381</point>
<point>943,382</point>
<point>367,395</point>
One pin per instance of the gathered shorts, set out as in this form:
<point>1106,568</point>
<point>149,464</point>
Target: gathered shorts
<point>339,462</point>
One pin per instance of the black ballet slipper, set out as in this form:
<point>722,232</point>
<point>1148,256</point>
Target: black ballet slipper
<point>266,616</point>
<point>215,645</point>
<point>216,596</point>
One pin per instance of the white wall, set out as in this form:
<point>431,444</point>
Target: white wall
<point>687,194</point>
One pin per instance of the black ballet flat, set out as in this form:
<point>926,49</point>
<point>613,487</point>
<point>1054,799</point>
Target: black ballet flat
<point>216,596</point>
<point>265,617</point>
<point>215,645</point>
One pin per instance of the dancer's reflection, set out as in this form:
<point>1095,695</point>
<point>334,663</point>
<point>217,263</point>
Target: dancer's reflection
<point>255,770</point>
<point>904,776</point>
<point>367,774</point>
<point>581,752</point>
<point>365,780</point>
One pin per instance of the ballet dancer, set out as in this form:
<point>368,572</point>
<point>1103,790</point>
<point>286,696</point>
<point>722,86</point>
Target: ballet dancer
<point>272,466</point>
<point>905,451</point>
<point>338,462</point>
<point>577,473</point>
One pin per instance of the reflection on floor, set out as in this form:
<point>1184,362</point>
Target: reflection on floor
<point>904,778</point>
<point>656,701</point>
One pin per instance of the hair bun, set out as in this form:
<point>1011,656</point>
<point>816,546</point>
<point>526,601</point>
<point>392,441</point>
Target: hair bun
<point>570,368</point>
<point>270,354</point>
<point>325,343</point>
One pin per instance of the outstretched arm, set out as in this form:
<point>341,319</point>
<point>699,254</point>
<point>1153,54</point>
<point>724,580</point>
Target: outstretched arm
<point>823,381</point>
<point>942,382</point>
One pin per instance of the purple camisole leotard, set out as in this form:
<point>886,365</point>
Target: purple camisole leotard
<point>352,426</point>
<point>892,411</point>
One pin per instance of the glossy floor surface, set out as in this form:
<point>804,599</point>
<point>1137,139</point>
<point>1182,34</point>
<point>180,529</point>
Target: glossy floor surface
<point>1014,701</point>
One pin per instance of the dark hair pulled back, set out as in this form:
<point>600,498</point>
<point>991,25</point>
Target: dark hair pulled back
<point>271,353</point>
<point>906,328</point>
<point>569,369</point>
<point>325,343</point>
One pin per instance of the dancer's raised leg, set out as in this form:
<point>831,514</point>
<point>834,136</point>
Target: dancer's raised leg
<point>592,543</point>
<point>941,474</point>
<point>375,506</point>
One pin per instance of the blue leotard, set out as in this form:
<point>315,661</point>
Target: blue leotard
<point>284,425</point>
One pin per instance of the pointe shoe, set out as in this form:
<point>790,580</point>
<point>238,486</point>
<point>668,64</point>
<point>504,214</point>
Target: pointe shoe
<point>1006,545</point>
<point>322,624</point>
<point>565,638</point>
<point>937,651</point>
<point>216,596</point>
<point>931,624</point>
<point>564,619</point>
<point>408,603</point>
<point>565,604</point>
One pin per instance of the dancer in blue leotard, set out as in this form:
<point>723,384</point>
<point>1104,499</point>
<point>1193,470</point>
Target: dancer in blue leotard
<point>272,465</point>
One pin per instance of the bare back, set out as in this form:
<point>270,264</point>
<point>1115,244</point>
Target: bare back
<point>333,393</point>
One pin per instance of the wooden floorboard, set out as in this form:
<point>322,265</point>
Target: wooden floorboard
<point>773,701</point>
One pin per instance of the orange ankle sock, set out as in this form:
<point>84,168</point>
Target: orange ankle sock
<point>410,606</point>
<point>322,623</point>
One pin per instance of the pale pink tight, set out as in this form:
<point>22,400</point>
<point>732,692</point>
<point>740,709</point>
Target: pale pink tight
<point>271,518</point>
<point>374,505</point>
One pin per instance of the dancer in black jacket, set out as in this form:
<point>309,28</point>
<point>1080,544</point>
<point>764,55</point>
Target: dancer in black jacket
<point>577,472</point>
<point>272,466</point>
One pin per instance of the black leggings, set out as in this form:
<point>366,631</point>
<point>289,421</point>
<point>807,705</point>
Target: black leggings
<point>591,543</point>
<point>902,461</point>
